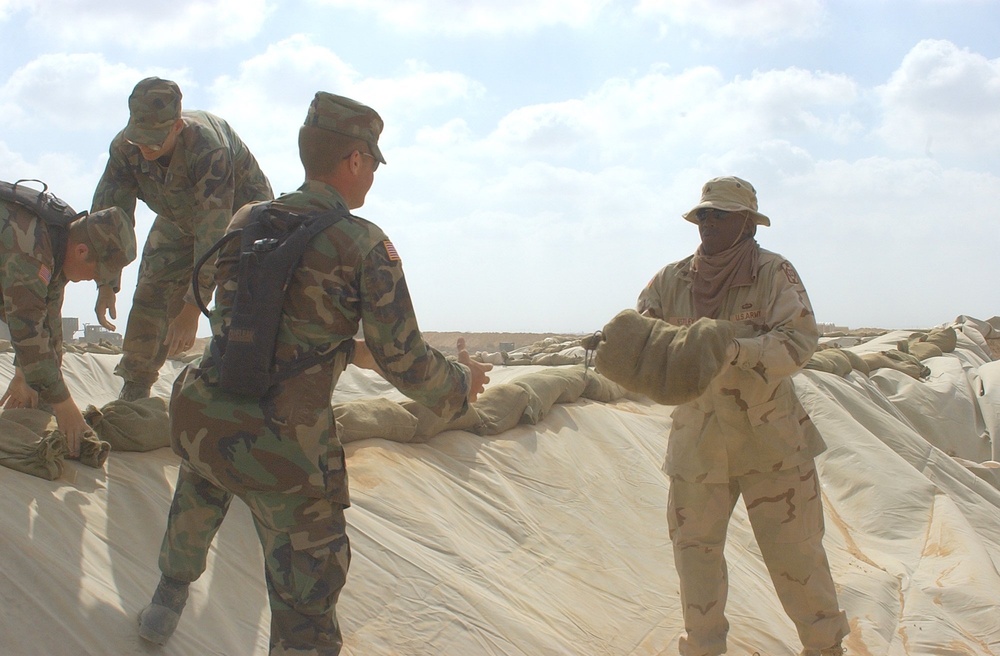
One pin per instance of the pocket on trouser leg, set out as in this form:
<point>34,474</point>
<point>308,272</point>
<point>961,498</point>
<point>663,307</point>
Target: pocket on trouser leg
<point>784,507</point>
<point>306,558</point>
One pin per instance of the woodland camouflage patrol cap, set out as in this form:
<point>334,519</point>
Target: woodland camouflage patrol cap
<point>345,116</point>
<point>113,240</point>
<point>154,106</point>
<point>729,194</point>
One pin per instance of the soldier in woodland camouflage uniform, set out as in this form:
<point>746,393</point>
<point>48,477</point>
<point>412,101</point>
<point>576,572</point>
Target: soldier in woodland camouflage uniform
<point>748,434</point>
<point>281,454</point>
<point>36,262</point>
<point>193,170</point>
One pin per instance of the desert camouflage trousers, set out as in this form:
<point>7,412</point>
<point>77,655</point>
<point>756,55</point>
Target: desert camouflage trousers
<point>164,278</point>
<point>786,512</point>
<point>306,556</point>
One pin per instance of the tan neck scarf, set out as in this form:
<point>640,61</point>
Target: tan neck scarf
<point>713,275</point>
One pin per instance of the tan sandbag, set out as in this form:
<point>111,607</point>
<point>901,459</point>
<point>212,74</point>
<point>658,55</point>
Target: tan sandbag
<point>600,388</point>
<point>429,424</point>
<point>24,450</point>
<point>831,360</point>
<point>897,360</point>
<point>93,451</point>
<point>141,425</point>
<point>944,338</point>
<point>376,417</point>
<point>924,350</point>
<point>545,388</point>
<point>500,408</point>
<point>669,364</point>
<point>857,362</point>
<point>555,359</point>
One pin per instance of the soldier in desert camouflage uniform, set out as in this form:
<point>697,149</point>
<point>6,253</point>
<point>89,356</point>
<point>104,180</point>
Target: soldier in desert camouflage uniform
<point>36,262</point>
<point>748,434</point>
<point>281,454</point>
<point>194,171</point>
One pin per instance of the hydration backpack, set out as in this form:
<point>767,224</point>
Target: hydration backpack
<point>53,211</point>
<point>271,246</point>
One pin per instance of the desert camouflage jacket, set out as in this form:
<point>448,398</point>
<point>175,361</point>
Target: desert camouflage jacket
<point>32,300</point>
<point>211,174</point>
<point>749,420</point>
<point>287,441</point>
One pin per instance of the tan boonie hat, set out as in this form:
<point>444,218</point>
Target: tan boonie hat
<point>345,116</point>
<point>154,106</point>
<point>729,194</point>
<point>112,239</point>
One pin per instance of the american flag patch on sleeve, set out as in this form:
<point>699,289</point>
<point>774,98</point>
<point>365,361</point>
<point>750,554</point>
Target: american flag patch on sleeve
<point>45,274</point>
<point>391,251</point>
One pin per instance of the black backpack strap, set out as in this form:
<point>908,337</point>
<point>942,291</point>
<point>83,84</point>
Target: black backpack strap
<point>52,210</point>
<point>195,287</point>
<point>271,248</point>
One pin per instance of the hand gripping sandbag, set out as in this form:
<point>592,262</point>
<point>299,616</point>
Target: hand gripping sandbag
<point>669,364</point>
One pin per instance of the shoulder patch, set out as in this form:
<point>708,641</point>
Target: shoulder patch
<point>45,274</point>
<point>789,270</point>
<point>390,250</point>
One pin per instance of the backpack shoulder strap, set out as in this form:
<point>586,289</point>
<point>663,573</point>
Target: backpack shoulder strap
<point>52,210</point>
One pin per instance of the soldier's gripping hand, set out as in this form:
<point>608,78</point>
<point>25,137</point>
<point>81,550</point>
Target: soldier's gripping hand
<point>71,423</point>
<point>478,370</point>
<point>19,394</point>
<point>106,306</point>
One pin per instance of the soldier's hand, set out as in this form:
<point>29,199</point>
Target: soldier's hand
<point>19,394</point>
<point>106,306</point>
<point>71,423</point>
<point>182,330</point>
<point>478,369</point>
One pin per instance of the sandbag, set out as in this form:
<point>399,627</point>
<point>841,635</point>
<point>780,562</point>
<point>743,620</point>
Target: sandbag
<point>600,388</point>
<point>832,361</point>
<point>857,362</point>
<point>944,338</point>
<point>894,359</point>
<point>27,438</point>
<point>141,425</point>
<point>430,424</point>
<point>546,388</point>
<point>24,450</point>
<point>500,408</point>
<point>924,350</point>
<point>376,417</point>
<point>555,359</point>
<point>669,364</point>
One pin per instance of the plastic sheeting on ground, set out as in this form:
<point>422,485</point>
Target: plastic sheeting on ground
<point>545,539</point>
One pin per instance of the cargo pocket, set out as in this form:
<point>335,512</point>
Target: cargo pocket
<point>688,423</point>
<point>775,420</point>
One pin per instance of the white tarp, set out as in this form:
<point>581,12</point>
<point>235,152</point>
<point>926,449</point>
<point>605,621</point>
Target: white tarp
<point>548,539</point>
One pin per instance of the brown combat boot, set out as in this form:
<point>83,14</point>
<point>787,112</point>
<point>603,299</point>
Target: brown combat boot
<point>158,620</point>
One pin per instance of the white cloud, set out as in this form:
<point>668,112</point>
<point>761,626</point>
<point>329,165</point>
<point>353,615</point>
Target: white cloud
<point>942,99</point>
<point>740,19</point>
<point>72,92</point>
<point>655,115</point>
<point>267,100</point>
<point>464,17</point>
<point>149,26</point>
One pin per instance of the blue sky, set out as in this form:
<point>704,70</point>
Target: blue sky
<point>540,153</point>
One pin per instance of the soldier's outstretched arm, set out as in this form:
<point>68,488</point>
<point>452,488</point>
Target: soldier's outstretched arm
<point>415,368</point>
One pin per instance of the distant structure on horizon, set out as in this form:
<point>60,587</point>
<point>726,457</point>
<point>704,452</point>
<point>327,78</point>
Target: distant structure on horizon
<point>827,328</point>
<point>92,332</point>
